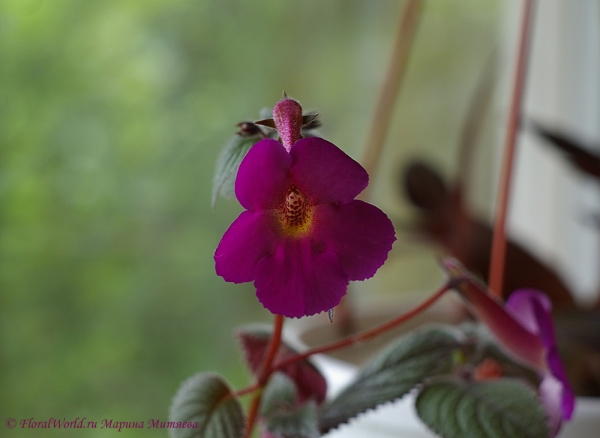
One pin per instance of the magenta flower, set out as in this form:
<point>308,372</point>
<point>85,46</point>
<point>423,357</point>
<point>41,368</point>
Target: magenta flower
<point>532,309</point>
<point>303,236</point>
<point>524,326</point>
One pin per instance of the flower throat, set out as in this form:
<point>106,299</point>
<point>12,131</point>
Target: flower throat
<point>295,214</point>
<point>295,207</point>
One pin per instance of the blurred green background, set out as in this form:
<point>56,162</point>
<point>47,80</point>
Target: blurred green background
<point>112,113</point>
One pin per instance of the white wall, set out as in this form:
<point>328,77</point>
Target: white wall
<point>552,202</point>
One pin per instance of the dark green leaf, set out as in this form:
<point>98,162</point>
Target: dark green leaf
<point>284,417</point>
<point>280,393</point>
<point>394,372</point>
<point>301,422</point>
<point>206,399</point>
<point>504,408</point>
<point>228,163</point>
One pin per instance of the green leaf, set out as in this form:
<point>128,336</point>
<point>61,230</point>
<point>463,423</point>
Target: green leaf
<point>228,163</point>
<point>393,373</point>
<point>280,393</point>
<point>503,408</point>
<point>206,399</point>
<point>284,418</point>
<point>301,422</point>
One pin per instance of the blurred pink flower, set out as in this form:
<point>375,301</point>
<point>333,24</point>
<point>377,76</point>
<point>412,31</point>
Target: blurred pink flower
<point>524,326</point>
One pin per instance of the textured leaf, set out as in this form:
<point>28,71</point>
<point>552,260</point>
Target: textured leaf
<point>229,161</point>
<point>280,393</point>
<point>207,400</point>
<point>504,408</point>
<point>393,373</point>
<point>284,417</point>
<point>309,381</point>
<point>301,422</point>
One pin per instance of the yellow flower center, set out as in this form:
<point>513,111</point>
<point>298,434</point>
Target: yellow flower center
<point>295,214</point>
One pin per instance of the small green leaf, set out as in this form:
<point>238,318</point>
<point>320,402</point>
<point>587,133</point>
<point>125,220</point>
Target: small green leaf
<point>284,417</point>
<point>301,422</point>
<point>280,393</point>
<point>206,399</point>
<point>503,408</point>
<point>228,163</point>
<point>393,373</point>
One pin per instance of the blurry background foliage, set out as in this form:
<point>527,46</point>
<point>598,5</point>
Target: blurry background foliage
<point>112,113</point>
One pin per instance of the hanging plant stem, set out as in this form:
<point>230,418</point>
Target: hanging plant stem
<point>499,242</point>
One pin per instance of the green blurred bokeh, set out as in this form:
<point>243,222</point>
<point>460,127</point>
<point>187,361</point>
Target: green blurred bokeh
<point>112,113</point>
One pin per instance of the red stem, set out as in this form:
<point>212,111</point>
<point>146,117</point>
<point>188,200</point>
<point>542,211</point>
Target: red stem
<point>272,350</point>
<point>265,373</point>
<point>499,243</point>
<point>382,117</point>
<point>368,334</point>
<point>247,390</point>
<point>252,415</point>
<point>388,94</point>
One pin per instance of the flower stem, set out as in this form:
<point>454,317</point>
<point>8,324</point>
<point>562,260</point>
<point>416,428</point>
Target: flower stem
<point>367,334</point>
<point>499,243</point>
<point>388,93</point>
<point>252,415</point>
<point>265,372</point>
<point>247,390</point>
<point>382,116</point>
<point>272,350</point>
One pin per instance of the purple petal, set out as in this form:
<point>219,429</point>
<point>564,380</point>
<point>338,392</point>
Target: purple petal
<point>528,306</point>
<point>299,280</point>
<point>250,237</point>
<point>325,173</point>
<point>533,309</point>
<point>541,310</point>
<point>360,234</point>
<point>567,401</point>
<point>263,177</point>
<point>550,395</point>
